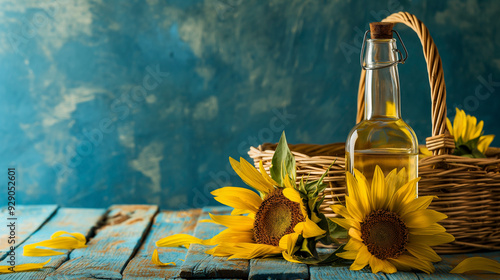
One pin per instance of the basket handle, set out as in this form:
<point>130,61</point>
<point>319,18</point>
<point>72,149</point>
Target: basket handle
<point>441,142</point>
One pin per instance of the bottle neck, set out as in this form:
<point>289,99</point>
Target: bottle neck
<point>382,85</point>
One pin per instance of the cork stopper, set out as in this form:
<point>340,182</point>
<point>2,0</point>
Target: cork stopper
<point>381,30</point>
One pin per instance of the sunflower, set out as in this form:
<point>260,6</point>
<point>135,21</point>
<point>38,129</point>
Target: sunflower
<point>468,135</point>
<point>389,228</point>
<point>279,217</point>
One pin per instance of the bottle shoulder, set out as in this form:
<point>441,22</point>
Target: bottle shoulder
<point>382,134</point>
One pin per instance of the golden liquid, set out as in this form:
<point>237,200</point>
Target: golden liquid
<point>387,159</point>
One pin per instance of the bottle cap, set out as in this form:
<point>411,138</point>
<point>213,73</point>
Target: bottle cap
<point>381,30</point>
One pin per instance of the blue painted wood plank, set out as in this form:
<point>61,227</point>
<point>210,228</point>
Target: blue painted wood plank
<point>449,261</point>
<point>67,219</point>
<point>340,272</point>
<point>29,219</point>
<point>263,269</point>
<point>166,223</point>
<point>200,265</point>
<point>329,272</point>
<point>112,247</point>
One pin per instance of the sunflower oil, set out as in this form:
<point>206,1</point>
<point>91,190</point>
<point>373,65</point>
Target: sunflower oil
<point>382,138</point>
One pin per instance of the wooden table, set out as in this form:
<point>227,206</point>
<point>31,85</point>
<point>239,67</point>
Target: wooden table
<point>121,240</point>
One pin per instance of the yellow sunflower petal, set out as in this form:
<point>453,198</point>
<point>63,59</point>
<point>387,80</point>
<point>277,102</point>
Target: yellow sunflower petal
<point>378,265</point>
<point>430,230</point>
<point>289,257</point>
<point>308,229</point>
<point>346,223</point>
<point>156,260</point>
<point>292,195</point>
<point>459,124</point>
<point>471,126</point>
<point>354,233</point>
<point>390,183</point>
<point>449,126</point>
<point>378,194</point>
<point>236,211</point>
<point>422,218</point>
<point>409,261</point>
<point>340,210</point>
<point>401,178</point>
<point>353,245</point>
<point>177,240</point>
<point>223,250</point>
<point>250,169</point>
<point>399,266</point>
<point>244,250</point>
<point>56,241</point>
<point>265,175</point>
<point>477,263</point>
<point>288,182</point>
<point>236,191</point>
<point>417,204</point>
<point>432,240</point>
<point>241,223</point>
<point>78,236</point>
<point>362,259</point>
<point>354,209</point>
<point>403,196</point>
<point>361,179</point>
<point>22,267</point>
<point>348,255</point>
<point>423,252</point>
<point>287,242</point>
<point>358,194</point>
<point>231,236</point>
<point>33,251</point>
<point>250,175</point>
<point>484,142</point>
<point>478,130</point>
<point>238,198</point>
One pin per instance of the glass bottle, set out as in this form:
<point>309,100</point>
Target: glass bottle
<point>382,138</point>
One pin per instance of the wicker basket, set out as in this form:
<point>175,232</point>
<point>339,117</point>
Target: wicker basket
<point>468,189</point>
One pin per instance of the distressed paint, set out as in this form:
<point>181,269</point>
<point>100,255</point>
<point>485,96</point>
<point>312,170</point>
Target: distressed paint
<point>110,249</point>
<point>125,221</point>
<point>29,220</point>
<point>166,224</point>
<point>239,72</point>
<point>263,269</point>
<point>201,265</point>
<point>67,219</point>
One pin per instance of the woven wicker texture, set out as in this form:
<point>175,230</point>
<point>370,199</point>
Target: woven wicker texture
<point>468,189</point>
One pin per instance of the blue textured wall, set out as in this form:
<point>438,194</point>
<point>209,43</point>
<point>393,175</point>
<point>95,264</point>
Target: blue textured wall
<point>143,101</point>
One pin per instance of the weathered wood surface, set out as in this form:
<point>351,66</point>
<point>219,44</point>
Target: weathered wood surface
<point>263,269</point>
<point>28,219</point>
<point>67,219</point>
<point>200,265</point>
<point>128,228</point>
<point>340,272</point>
<point>113,245</point>
<point>449,261</point>
<point>343,272</point>
<point>166,223</point>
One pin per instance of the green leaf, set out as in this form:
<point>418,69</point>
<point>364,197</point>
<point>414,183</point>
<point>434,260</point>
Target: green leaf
<point>325,225</point>
<point>337,231</point>
<point>468,149</point>
<point>323,259</point>
<point>306,248</point>
<point>283,162</point>
<point>477,154</point>
<point>315,187</point>
<point>322,187</point>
